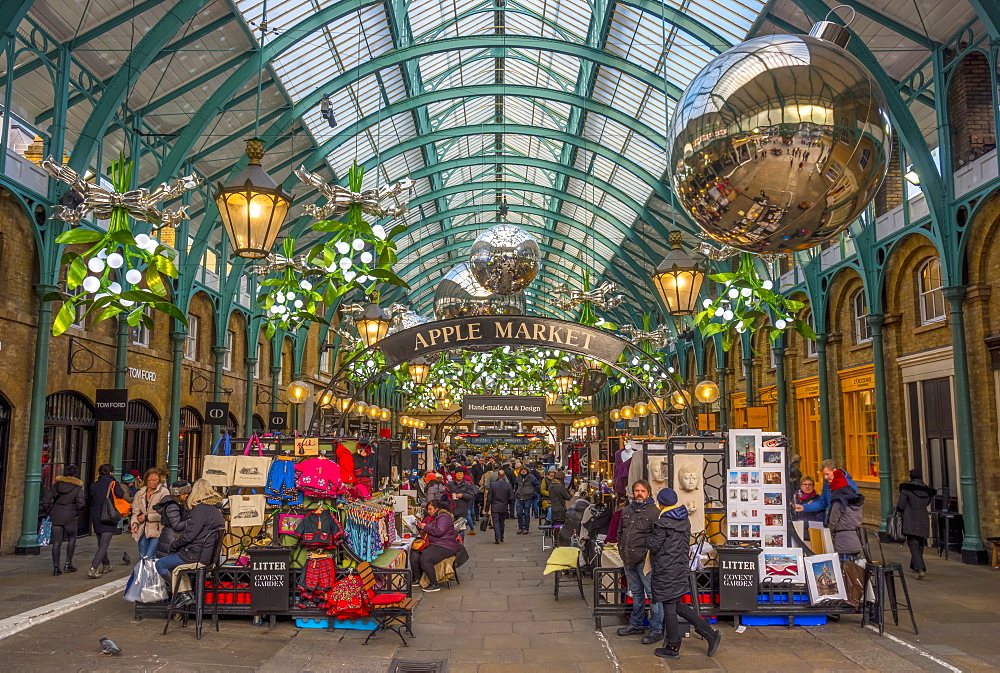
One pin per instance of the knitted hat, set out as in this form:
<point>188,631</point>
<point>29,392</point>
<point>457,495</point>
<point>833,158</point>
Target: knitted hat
<point>839,480</point>
<point>667,497</point>
<point>180,487</point>
<point>128,478</point>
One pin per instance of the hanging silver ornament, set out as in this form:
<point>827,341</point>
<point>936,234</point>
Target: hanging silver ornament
<point>505,259</point>
<point>779,143</point>
<point>460,295</point>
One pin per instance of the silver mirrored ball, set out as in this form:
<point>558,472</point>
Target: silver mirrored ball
<point>459,295</point>
<point>505,259</point>
<point>778,144</point>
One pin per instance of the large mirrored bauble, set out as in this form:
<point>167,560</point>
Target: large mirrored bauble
<point>505,259</point>
<point>779,143</point>
<point>459,295</point>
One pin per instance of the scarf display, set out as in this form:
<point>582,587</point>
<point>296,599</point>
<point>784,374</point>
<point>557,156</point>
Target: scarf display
<point>370,528</point>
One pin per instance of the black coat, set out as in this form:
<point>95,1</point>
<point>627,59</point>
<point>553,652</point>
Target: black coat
<point>476,472</point>
<point>196,543</point>
<point>914,499</point>
<point>668,544</point>
<point>65,501</point>
<point>527,487</point>
<point>572,523</point>
<point>558,497</point>
<point>99,492</point>
<point>462,495</point>
<point>636,524</point>
<point>501,495</point>
<point>173,519</point>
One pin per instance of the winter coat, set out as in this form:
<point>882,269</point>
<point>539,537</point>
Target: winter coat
<point>441,531</point>
<point>572,523</point>
<point>527,488</point>
<point>636,524</point>
<point>845,520</point>
<point>803,499</point>
<point>66,501</point>
<point>501,495</point>
<point>435,490</point>
<point>668,544</point>
<point>462,494</point>
<point>99,492</point>
<point>173,519</point>
<point>914,499</point>
<point>476,472</point>
<point>558,497</point>
<point>204,526</point>
<point>143,505</point>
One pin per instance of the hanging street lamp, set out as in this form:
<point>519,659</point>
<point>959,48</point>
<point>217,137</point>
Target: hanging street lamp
<point>297,392</point>
<point>565,382</point>
<point>439,391</point>
<point>373,325</point>
<point>419,369</point>
<point>616,414</point>
<point>707,392</point>
<point>627,412</point>
<point>678,279</point>
<point>252,207</point>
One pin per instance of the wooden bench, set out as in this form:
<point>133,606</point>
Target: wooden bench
<point>392,599</point>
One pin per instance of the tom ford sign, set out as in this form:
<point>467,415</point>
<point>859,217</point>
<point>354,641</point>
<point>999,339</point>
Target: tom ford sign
<point>503,407</point>
<point>495,331</point>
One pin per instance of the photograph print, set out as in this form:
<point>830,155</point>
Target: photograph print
<point>771,457</point>
<point>774,519</point>
<point>774,539</point>
<point>779,564</point>
<point>772,478</point>
<point>824,578</point>
<point>773,498</point>
<point>744,447</point>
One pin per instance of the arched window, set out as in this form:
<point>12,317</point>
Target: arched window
<point>810,344</point>
<point>862,330</point>
<point>930,284</point>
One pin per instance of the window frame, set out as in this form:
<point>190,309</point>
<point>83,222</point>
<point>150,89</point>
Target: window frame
<point>862,330</point>
<point>141,330</point>
<point>227,357</point>
<point>191,340</point>
<point>924,294</point>
<point>811,351</point>
<point>860,434</point>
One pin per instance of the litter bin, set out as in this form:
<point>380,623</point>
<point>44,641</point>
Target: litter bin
<point>269,578</point>
<point>739,576</point>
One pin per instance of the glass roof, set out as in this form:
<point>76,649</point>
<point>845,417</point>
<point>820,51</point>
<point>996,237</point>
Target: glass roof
<point>588,149</point>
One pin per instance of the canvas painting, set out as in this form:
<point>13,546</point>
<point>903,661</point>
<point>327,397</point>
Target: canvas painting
<point>780,564</point>
<point>824,578</point>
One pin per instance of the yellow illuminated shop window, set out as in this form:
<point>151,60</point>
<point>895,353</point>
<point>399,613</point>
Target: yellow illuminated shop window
<point>738,410</point>
<point>807,441</point>
<point>860,435</point>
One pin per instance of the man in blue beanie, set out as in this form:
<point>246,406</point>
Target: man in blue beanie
<point>668,545</point>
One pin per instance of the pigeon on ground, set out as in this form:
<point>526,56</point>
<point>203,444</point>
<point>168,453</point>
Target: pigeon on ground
<point>108,647</point>
<point>126,559</point>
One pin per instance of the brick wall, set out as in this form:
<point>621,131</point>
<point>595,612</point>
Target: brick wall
<point>970,109</point>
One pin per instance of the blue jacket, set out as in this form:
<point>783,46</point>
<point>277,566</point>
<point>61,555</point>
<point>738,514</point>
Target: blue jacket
<point>822,503</point>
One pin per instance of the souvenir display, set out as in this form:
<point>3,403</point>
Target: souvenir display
<point>782,563</point>
<point>755,490</point>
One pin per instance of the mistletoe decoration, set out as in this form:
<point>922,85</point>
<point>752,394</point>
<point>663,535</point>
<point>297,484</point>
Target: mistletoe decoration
<point>111,271</point>
<point>356,254</point>
<point>744,304</point>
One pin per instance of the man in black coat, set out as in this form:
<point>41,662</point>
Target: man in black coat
<point>669,549</point>
<point>636,524</point>
<point>914,498</point>
<point>501,499</point>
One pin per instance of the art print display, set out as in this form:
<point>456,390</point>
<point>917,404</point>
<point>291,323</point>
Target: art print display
<point>744,448</point>
<point>774,498</point>
<point>772,478</point>
<point>774,519</point>
<point>825,579</point>
<point>774,539</point>
<point>780,564</point>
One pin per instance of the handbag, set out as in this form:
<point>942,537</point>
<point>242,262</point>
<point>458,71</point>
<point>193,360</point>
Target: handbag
<point>220,469</point>
<point>123,506</point>
<point>894,526</point>
<point>45,532</point>
<point>419,543</point>
<point>251,471</point>
<point>110,516</point>
<point>484,523</point>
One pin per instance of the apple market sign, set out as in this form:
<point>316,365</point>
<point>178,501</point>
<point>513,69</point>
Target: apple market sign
<point>488,332</point>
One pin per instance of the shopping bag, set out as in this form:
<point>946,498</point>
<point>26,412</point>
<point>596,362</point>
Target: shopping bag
<point>146,585</point>
<point>894,526</point>
<point>220,468</point>
<point>251,471</point>
<point>246,510</point>
<point>45,532</point>
<point>109,514</point>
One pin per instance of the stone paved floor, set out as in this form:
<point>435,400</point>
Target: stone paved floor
<point>502,618</point>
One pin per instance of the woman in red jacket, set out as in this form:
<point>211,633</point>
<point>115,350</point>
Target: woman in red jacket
<point>442,542</point>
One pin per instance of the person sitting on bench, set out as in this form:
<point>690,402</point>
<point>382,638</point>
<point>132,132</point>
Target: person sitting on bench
<point>441,543</point>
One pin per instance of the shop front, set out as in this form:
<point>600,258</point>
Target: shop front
<point>857,390</point>
<point>808,442</point>
<point>189,444</point>
<point>69,439</point>
<point>141,434</point>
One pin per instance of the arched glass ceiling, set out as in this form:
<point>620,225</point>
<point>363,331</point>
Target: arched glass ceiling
<point>603,84</point>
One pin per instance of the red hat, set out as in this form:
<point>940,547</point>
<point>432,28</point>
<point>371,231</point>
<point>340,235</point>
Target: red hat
<point>839,480</point>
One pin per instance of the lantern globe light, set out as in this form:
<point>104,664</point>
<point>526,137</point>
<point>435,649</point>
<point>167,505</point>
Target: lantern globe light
<point>551,397</point>
<point>680,399</point>
<point>419,369</point>
<point>707,392</point>
<point>385,414</point>
<point>344,404</point>
<point>297,392</point>
<point>445,404</point>
<point>374,412</point>
<point>252,207</point>
<point>327,399</point>
<point>627,412</point>
<point>678,279</point>
<point>360,408</point>
<point>373,325</point>
<point>616,414</point>
<point>641,409</point>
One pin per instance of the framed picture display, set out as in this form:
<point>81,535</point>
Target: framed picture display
<point>782,563</point>
<point>744,448</point>
<point>825,579</point>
